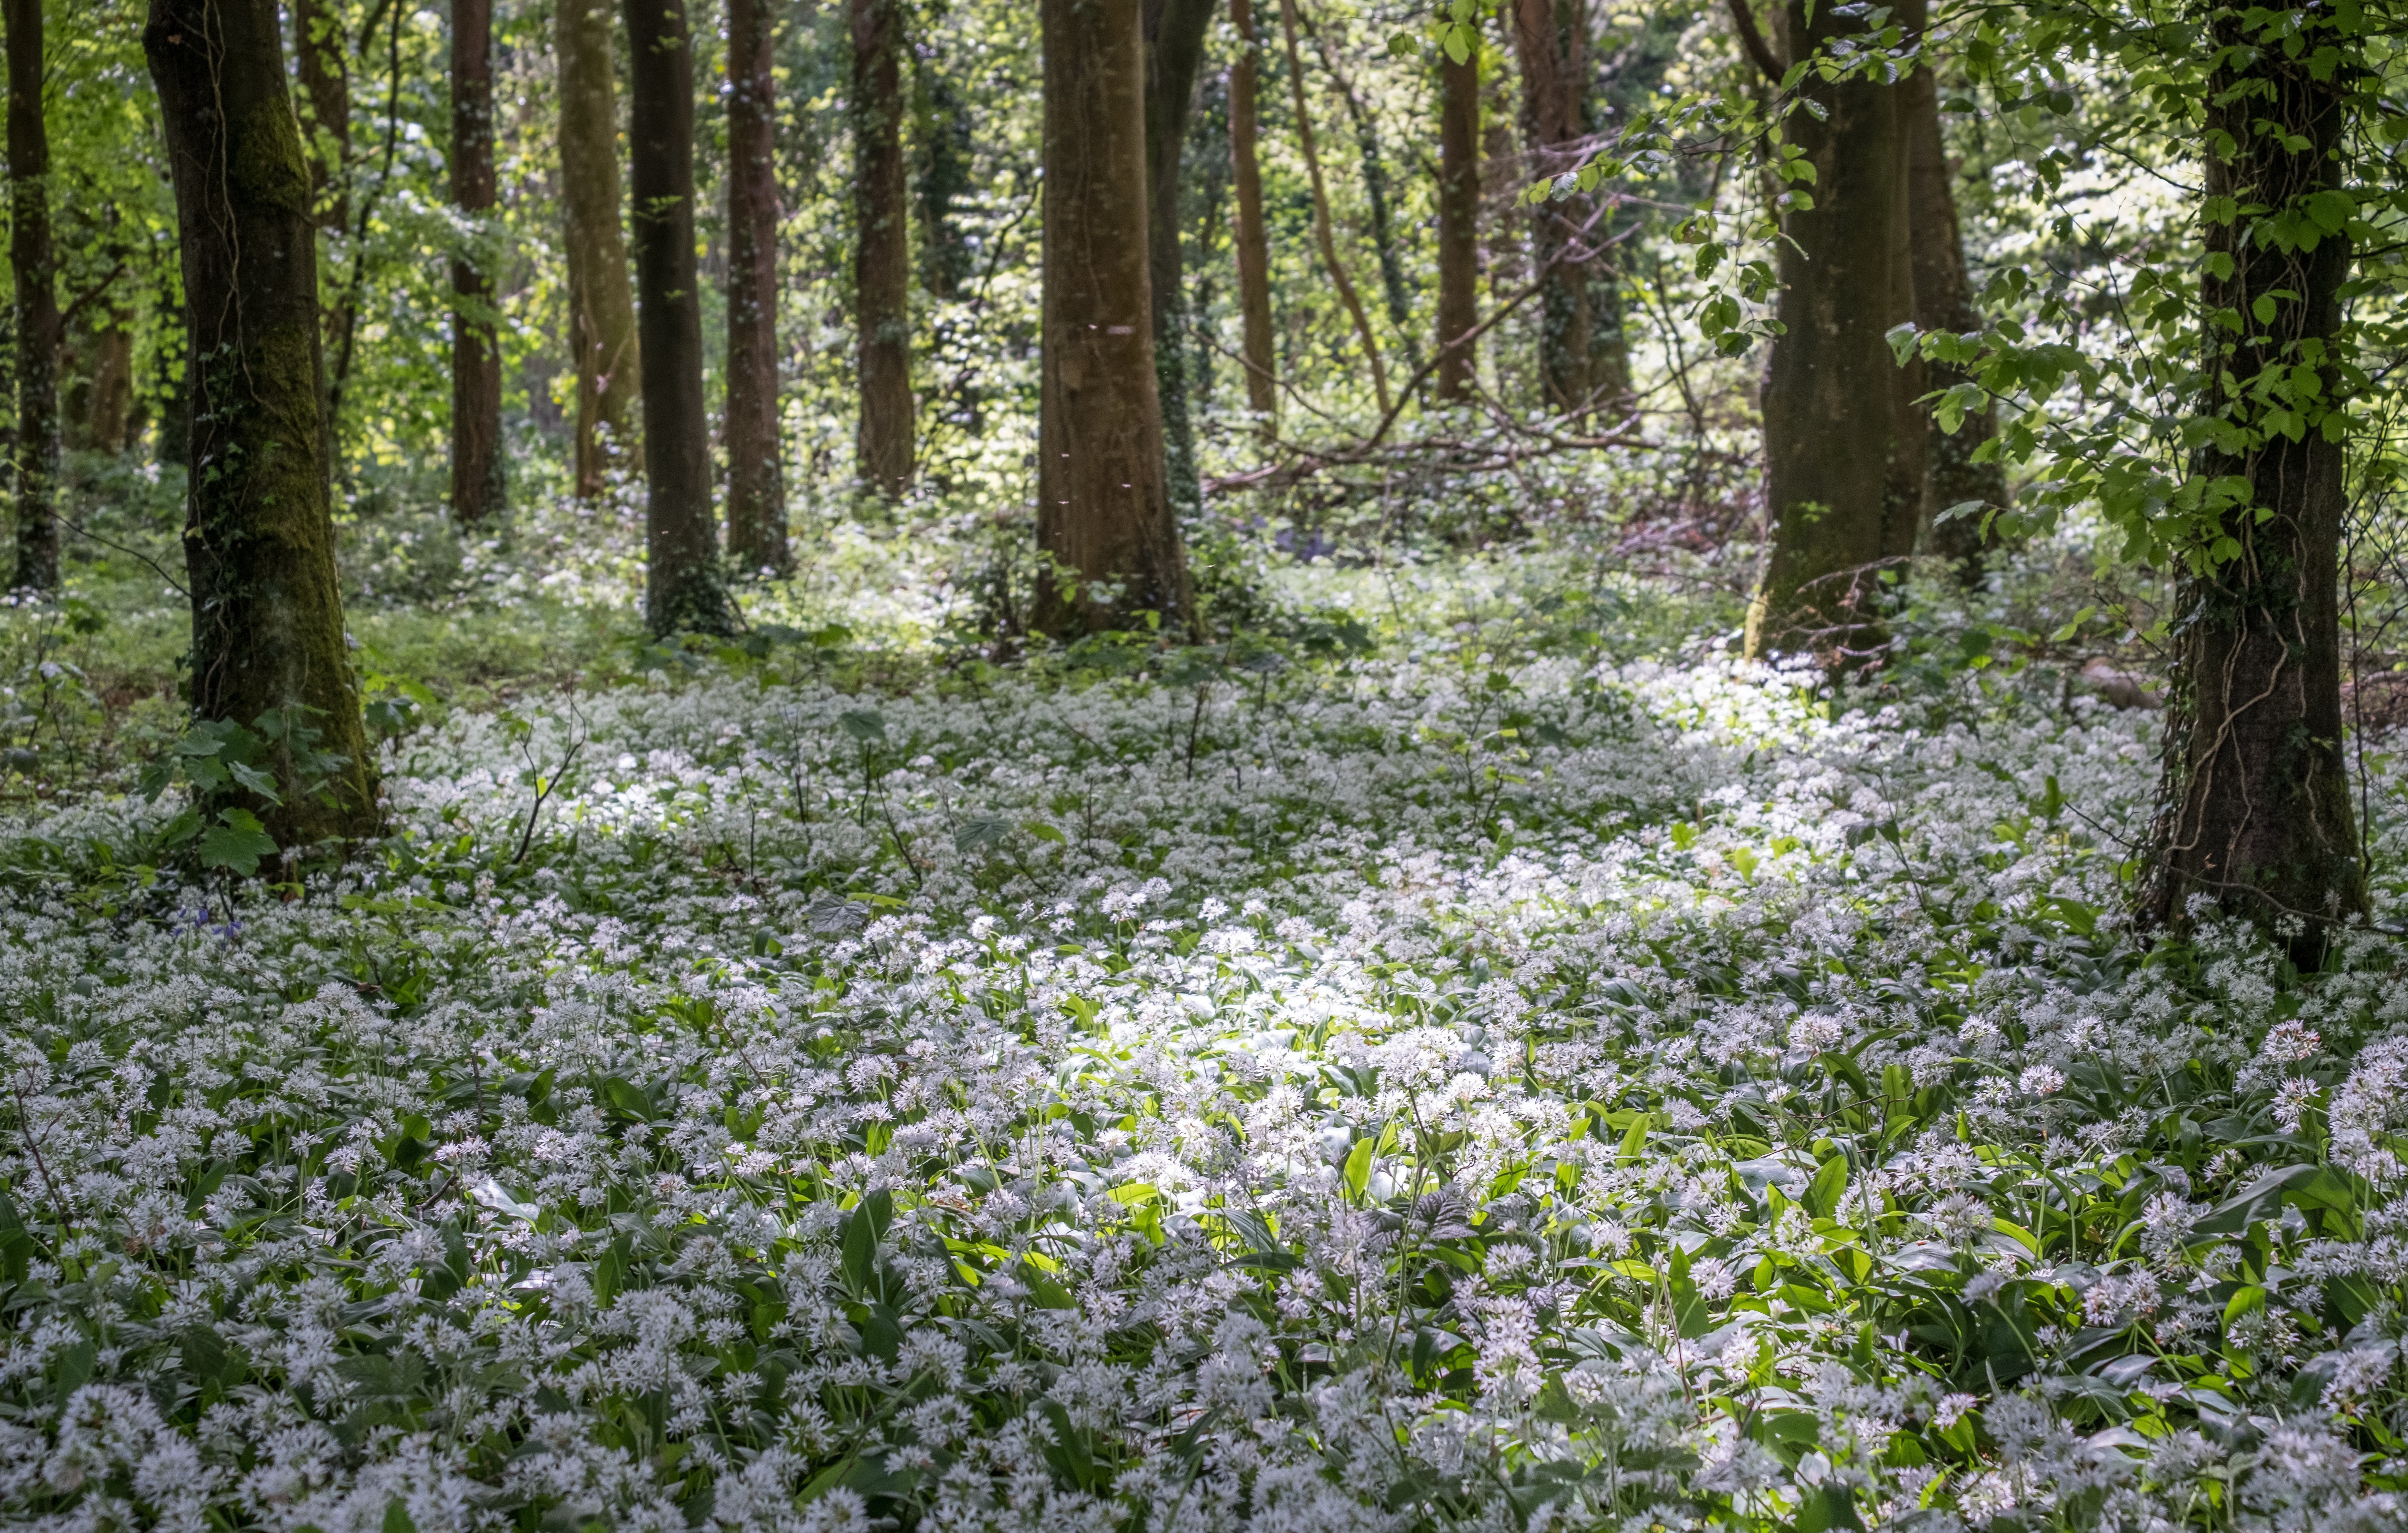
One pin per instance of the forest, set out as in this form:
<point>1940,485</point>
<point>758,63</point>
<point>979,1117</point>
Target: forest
<point>1193,765</point>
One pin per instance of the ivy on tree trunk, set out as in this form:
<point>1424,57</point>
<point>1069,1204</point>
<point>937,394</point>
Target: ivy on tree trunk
<point>268,616</point>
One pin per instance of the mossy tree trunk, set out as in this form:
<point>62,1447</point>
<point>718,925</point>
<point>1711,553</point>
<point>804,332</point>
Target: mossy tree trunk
<point>478,467</point>
<point>757,484</point>
<point>36,466</point>
<point>1248,233</point>
<point>602,344</point>
<point>1459,225</point>
<point>319,47</point>
<point>268,616</point>
<point>2255,808</point>
<point>1830,409</point>
<point>881,250</point>
<point>1943,301</point>
<point>685,591</point>
<point>1174,50</point>
<point>1103,511</point>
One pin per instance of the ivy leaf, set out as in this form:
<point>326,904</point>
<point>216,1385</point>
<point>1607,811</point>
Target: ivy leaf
<point>236,843</point>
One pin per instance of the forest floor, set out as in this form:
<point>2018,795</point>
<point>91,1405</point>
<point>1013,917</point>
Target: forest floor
<point>1478,1055</point>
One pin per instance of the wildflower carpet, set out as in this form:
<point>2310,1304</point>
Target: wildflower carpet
<point>1434,1090</point>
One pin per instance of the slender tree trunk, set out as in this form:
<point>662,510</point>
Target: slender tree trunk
<point>946,175</point>
<point>478,465</point>
<point>38,304</point>
<point>1248,236</point>
<point>757,486</point>
<point>602,344</point>
<point>1943,301</point>
<point>1174,47</point>
<point>1104,517</point>
<point>318,46</point>
<point>881,250</point>
<point>1551,38</point>
<point>111,404</point>
<point>1376,191</point>
<point>683,591</point>
<point>1324,228</point>
<point>1459,225</point>
<point>1830,410</point>
<point>2255,810</point>
<point>259,544</point>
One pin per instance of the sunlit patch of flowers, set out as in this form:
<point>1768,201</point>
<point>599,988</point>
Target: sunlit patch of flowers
<point>1449,1091</point>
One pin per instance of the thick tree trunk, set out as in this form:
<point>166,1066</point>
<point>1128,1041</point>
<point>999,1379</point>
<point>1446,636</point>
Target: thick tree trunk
<point>267,615</point>
<point>1103,511</point>
<point>1944,300</point>
<point>478,465</point>
<point>37,305</point>
<point>756,485</point>
<point>1248,234</point>
<point>683,590</point>
<point>1551,38</point>
<point>1174,47</point>
<point>602,344</point>
<point>1325,228</point>
<point>2255,812</point>
<point>1459,225</point>
<point>881,250</point>
<point>318,46</point>
<point>1829,392</point>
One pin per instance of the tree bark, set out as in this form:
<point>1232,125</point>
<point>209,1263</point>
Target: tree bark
<point>1104,518</point>
<point>683,591</point>
<point>881,250</point>
<point>757,486</point>
<point>38,304</point>
<point>111,402</point>
<point>1551,38</point>
<point>1324,228</point>
<point>2255,812</point>
<point>602,343</point>
<point>1458,226</point>
<point>1830,392</point>
<point>1943,301</point>
<point>478,465</point>
<point>267,615</point>
<point>1174,47</point>
<point>1248,234</point>
<point>318,46</point>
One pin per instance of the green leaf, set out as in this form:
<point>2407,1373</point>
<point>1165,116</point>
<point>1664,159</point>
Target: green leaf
<point>256,780</point>
<point>398,1518</point>
<point>1458,43</point>
<point>979,832</point>
<point>1634,1142</point>
<point>862,1229</point>
<point>2246,1298</point>
<point>236,843</point>
<point>1830,1185</point>
<point>866,725</point>
<point>1358,1167</point>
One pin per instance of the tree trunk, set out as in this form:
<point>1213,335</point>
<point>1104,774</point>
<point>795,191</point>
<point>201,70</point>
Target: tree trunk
<point>1459,225</point>
<point>947,174</point>
<point>881,250</point>
<point>1376,192</point>
<point>2255,812</point>
<point>38,304</point>
<point>477,460</point>
<point>1943,301</point>
<point>319,45</point>
<point>1248,234</point>
<point>1551,38</point>
<point>602,344</point>
<point>111,404</point>
<point>267,615</point>
<point>1174,47</point>
<point>1830,410</point>
<point>684,592</point>
<point>756,485</point>
<point>1103,511</point>
<point>1324,229</point>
